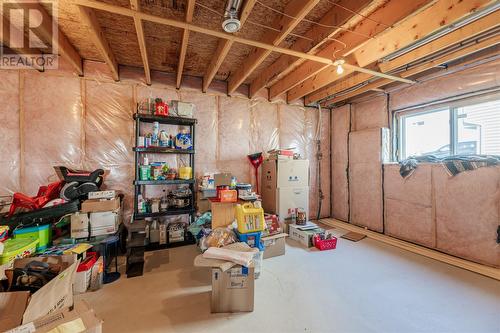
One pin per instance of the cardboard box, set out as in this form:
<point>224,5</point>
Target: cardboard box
<point>12,306</point>
<point>55,295</point>
<point>100,205</point>
<point>80,318</point>
<point>302,236</point>
<point>232,284</point>
<point>221,179</point>
<point>274,245</point>
<point>233,290</point>
<point>223,213</point>
<point>104,223</point>
<point>79,225</point>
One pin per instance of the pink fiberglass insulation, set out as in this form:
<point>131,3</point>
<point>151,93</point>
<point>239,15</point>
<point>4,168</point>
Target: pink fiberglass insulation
<point>365,178</point>
<point>473,79</point>
<point>10,180</point>
<point>87,123</point>
<point>371,113</point>
<point>52,127</point>
<point>467,213</point>
<point>340,128</point>
<point>409,205</point>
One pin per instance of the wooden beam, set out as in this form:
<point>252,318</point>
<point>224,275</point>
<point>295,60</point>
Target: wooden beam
<point>439,15</point>
<point>317,36</point>
<point>390,13</point>
<point>97,36</point>
<point>475,28</point>
<point>184,25</point>
<point>426,252</point>
<point>424,30</point>
<point>135,5</point>
<point>62,44</point>
<point>184,44</point>
<point>337,86</point>
<point>297,9</point>
<point>454,55</point>
<point>223,48</point>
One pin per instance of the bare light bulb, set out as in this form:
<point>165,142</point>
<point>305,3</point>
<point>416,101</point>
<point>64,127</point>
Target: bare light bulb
<point>340,69</point>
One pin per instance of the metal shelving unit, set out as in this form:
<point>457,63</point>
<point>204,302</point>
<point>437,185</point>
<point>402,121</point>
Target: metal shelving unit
<point>140,184</point>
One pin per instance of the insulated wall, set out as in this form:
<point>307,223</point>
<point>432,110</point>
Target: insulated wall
<point>457,215</point>
<point>55,118</point>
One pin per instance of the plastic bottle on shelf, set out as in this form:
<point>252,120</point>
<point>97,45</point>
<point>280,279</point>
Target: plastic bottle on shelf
<point>163,233</point>
<point>164,202</point>
<point>141,204</point>
<point>154,232</point>
<point>156,131</point>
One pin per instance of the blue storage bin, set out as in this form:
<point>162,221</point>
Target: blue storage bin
<point>253,239</point>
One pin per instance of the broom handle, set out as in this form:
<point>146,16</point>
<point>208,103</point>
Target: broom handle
<point>257,179</point>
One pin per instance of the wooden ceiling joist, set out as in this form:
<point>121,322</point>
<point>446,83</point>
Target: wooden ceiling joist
<point>329,25</point>
<point>184,44</point>
<point>454,55</point>
<point>135,5</point>
<point>390,13</point>
<point>62,44</point>
<point>89,18</point>
<point>475,28</point>
<point>442,13</point>
<point>459,35</point>
<point>297,9</point>
<point>223,47</point>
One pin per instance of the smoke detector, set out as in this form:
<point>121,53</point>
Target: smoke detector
<point>231,25</point>
<point>231,22</point>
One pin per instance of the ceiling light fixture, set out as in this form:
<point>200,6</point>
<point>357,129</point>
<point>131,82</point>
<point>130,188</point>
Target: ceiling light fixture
<point>231,22</point>
<point>339,63</point>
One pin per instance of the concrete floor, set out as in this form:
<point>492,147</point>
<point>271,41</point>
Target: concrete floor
<point>359,287</point>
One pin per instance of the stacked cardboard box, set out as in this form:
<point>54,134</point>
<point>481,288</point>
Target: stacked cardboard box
<point>97,217</point>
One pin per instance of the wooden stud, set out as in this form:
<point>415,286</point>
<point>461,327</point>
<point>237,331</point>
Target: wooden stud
<point>97,36</point>
<point>475,28</point>
<point>390,13</point>
<point>297,9</point>
<point>184,44</point>
<point>223,48</point>
<point>320,34</point>
<point>492,41</point>
<point>426,252</point>
<point>410,23</point>
<point>139,29</point>
<point>440,14</point>
<point>62,44</point>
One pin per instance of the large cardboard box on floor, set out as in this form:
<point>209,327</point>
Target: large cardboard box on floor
<point>274,245</point>
<point>233,290</point>
<point>232,285</point>
<point>12,306</point>
<point>55,295</point>
<point>80,318</point>
<point>303,234</point>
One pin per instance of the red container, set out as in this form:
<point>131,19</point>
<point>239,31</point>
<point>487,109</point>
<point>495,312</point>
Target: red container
<point>325,244</point>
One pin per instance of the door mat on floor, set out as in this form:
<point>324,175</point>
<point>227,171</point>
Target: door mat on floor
<point>353,236</point>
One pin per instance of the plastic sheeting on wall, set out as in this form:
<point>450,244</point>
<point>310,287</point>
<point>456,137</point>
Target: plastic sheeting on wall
<point>87,123</point>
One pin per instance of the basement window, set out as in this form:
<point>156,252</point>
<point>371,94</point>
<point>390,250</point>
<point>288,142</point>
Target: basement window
<point>472,129</point>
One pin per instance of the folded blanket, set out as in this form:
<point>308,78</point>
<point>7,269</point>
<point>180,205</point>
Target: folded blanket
<point>238,257</point>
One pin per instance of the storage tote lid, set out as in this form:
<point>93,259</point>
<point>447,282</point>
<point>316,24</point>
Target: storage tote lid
<point>13,246</point>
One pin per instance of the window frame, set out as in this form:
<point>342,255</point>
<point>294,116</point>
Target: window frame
<point>452,105</point>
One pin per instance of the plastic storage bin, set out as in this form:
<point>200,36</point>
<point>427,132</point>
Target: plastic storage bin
<point>41,232</point>
<point>16,249</point>
<point>253,239</point>
<point>249,218</point>
<point>324,244</point>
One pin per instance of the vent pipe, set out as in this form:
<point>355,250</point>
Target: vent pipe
<point>231,22</point>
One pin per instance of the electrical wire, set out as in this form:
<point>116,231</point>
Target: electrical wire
<point>359,14</point>
<point>315,23</point>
